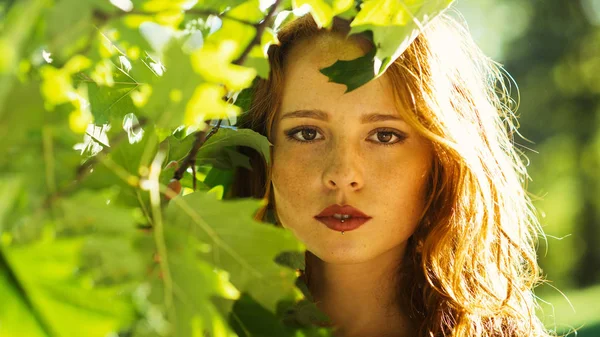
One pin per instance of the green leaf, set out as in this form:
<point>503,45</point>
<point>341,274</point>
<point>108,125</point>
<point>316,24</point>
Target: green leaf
<point>257,62</point>
<point>218,5</point>
<point>23,114</point>
<point>172,91</point>
<point>67,278</point>
<point>197,284</point>
<point>303,315</point>
<point>293,260</point>
<point>10,187</point>
<point>161,5</point>
<point>15,32</point>
<point>129,41</point>
<point>16,318</point>
<point>233,238</point>
<point>244,98</point>
<point>248,11</point>
<point>179,148</point>
<point>227,137</point>
<point>69,26</point>
<point>216,177</point>
<point>388,12</point>
<point>158,36</point>
<point>121,167</point>
<point>353,73</point>
<point>323,11</point>
<point>249,318</point>
<point>258,57</point>
<point>92,212</point>
<point>207,103</point>
<point>47,273</point>
<point>111,104</point>
<point>395,24</point>
<point>213,61</point>
<point>227,159</point>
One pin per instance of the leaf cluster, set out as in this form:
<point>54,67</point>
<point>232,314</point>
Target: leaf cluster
<point>117,121</point>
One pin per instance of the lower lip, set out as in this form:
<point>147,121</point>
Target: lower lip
<point>338,225</point>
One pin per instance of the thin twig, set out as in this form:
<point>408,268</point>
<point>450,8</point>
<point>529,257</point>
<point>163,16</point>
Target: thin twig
<point>104,17</point>
<point>190,158</point>
<point>259,32</point>
<point>200,11</point>
<point>201,137</point>
<point>49,158</point>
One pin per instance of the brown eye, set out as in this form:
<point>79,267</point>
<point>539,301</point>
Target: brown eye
<point>387,136</point>
<point>384,137</point>
<point>309,134</point>
<point>304,134</point>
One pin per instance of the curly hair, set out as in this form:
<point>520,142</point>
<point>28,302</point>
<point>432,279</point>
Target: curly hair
<point>470,267</point>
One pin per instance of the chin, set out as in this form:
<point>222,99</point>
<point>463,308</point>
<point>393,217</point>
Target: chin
<point>345,251</point>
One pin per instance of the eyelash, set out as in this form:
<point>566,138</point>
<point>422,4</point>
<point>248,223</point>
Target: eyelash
<point>401,135</point>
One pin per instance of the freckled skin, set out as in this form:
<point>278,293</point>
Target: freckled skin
<point>347,164</point>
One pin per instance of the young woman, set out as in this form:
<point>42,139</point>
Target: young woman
<point>408,192</point>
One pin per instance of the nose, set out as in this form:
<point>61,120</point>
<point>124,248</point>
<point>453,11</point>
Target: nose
<point>343,169</point>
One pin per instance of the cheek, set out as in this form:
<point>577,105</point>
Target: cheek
<point>293,174</point>
<point>293,180</point>
<point>399,183</point>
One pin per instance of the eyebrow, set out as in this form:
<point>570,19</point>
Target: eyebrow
<point>322,115</point>
<point>315,114</point>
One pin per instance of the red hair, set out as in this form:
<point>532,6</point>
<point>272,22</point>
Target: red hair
<point>470,267</point>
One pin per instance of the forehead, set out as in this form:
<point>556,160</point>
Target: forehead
<point>305,87</point>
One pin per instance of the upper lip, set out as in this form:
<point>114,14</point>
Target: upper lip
<point>337,209</point>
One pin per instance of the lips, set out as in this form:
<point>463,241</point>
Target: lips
<point>342,218</point>
<point>346,209</point>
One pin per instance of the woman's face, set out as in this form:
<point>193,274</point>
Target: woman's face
<point>345,149</point>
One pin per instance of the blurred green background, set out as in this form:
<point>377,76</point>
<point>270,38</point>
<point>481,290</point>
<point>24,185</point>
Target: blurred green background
<point>552,50</point>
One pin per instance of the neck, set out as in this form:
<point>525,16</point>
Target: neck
<point>361,299</point>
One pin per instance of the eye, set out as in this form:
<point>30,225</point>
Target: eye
<point>303,134</point>
<point>387,136</point>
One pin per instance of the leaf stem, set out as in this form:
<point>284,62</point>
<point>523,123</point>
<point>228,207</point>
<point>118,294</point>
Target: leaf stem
<point>158,230</point>
<point>84,169</point>
<point>49,158</point>
<point>215,237</point>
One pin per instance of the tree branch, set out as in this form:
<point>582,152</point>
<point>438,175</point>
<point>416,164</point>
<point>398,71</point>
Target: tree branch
<point>104,17</point>
<point>202,137</point>
<point>190,158</point>
<point>200,11</point>
<point>259,32</point>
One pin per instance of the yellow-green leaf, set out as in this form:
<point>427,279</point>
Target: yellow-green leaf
<point>323,11</point>
<point>387,12</point>
<point>213,62</point>
<point>207,103</point>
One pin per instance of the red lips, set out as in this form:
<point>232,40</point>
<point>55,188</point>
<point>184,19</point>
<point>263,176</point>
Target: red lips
<point>356,219</point>
<point>346,209</point>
